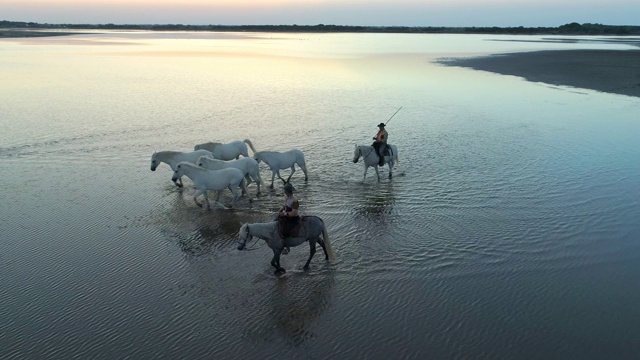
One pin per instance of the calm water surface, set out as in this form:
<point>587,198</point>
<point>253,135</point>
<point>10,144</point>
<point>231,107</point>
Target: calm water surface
<point>510,228</point>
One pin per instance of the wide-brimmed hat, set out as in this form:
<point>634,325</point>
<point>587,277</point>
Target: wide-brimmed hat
<point>289,188</point>
<point>381,125</point>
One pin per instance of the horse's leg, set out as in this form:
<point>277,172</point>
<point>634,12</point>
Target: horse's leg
<point>375,167</point>
<point>390,169</point>
<point>312,251</point>
<point>275,262</point>
<point>216,198</point>
<point>178,182</point>
<point>273,176</point>
<point>198,193</point>
<point>257,180</point>
<point>280,177</point>
<point>303,166</point>
<point>324,248</point>
<point>293,169</point>
<point>365,172</point>
<point>206,199</point>
<point>234,192</point>
<point>244,189</point>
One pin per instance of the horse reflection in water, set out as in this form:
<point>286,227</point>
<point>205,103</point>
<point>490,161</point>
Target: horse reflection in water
<point>198,232</point>
<point>311,229</point>
<point>295,302</point>
<point>376,203</point>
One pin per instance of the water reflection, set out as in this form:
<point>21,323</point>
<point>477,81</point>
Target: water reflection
<point>199,231</point>
<point>293,303</point>
<point>262,306</point>
<point>209,234</point>
<point>374,202</point>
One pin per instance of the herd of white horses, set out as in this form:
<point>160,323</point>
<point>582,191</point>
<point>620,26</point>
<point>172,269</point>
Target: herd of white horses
<point>216,166</point>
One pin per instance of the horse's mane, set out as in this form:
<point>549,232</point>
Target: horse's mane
<point>242,229</point>
<point>265,152</point>
<point>204,157</point>
<point>167,154</point>
<point>210,144</point>
<point>191,165</point>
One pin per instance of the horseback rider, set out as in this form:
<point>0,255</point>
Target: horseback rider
<point>380,143</point>
<point>288,214</point>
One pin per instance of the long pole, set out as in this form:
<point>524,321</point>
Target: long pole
<point>394,114</point>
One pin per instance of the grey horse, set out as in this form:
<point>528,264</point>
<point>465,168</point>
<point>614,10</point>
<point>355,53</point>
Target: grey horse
<point>311,229</point>
<point>368,154</point>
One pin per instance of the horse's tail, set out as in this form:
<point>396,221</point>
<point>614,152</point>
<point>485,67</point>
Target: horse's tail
<point>302,158</point>
<point>327,243</point>
<point>248,142</point>
<point>259,177</point>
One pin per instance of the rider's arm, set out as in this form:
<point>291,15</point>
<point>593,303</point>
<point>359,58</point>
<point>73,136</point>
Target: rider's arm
<point>294,211</point>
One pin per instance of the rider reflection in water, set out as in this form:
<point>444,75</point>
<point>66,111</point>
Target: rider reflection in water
<point>288,214</point>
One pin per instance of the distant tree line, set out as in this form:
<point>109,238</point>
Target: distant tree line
<point>567,29</point>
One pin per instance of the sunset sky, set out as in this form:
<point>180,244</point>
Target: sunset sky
<point>336,12</point>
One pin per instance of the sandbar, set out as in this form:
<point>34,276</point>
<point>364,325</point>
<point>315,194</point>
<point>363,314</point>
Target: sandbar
<point>609,71</point>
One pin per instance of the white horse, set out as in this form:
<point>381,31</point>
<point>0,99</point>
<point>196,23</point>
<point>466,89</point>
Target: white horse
<point>229,151</point>
<point>247,165</point>
<point>173,158</point>
<point>311,229</point>
<point>282,160</point>
<point>214,180</point>
<point>370,157</point>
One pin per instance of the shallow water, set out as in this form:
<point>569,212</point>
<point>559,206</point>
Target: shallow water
<point>509,229</point>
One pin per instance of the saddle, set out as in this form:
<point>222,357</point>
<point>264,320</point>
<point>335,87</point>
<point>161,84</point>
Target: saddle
<point>387,150</point>
<point>290,228</point>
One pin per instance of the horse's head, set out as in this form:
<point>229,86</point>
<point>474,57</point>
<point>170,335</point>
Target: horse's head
<point>154,161</point>
<point>201,161</point>
<point>256,157</point>
<point>177,174</point>
<point>356,154</point>
<point>243,236</point>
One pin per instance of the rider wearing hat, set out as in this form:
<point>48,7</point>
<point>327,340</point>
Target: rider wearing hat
<point>380,142</point>
<point>289,211</point>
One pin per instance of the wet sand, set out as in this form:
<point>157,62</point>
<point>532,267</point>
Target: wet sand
<point>610,71</point>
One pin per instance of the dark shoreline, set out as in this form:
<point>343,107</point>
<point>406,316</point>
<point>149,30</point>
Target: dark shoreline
<point>13,33</point>
<point>610,71</point>
<point>567,29</point>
